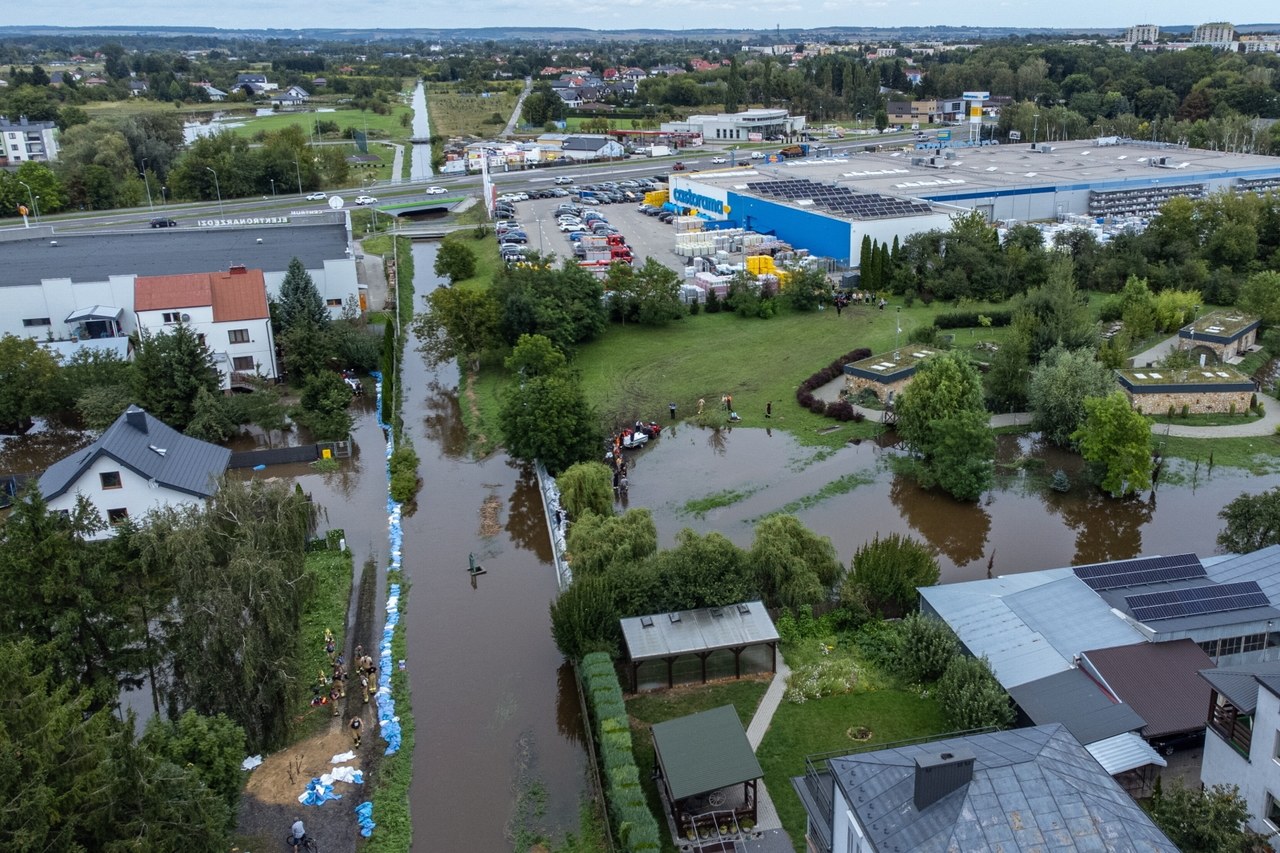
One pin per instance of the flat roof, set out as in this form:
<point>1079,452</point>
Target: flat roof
<point>704,752</point>
<point>706,629</point>
<point>1078,164</point>
<point>169,251</point>
<point>1229,324</point>
<point>890,366</point>
<point>1213,375</point>
<point>1161,681</point>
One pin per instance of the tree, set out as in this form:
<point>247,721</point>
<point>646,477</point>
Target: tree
<point>942,418</point>
<point>265,408</point>
<point>586,487</point>
<point>98,408</point>
<point>1059,386</point>
<point>657,293</point>
<point>1057,313</point>
<point>323,407</point>
<point>806,288</point>
<point>882,120</point>
<point>971,696</point>
<point>1007,381</point>
<point>885,573</point>
<point>564,305</point>
<point>1253,522</point>
<point>534,356</point>
<point>210,421</point>
<point>600,543</point>
<point>28,380</point>
<point>584,619</point>
<point>927,647</point>
<point>1212,820</point>
<point>307,351</point>
<point>548,418</point>
<point>169,369</point>
<point>299,303</point>
<point>1116,439</point>
<point>792,565</point>
<point>455,261</point>
<point>1138,308</point>
<point>212,747</point>
<point>1260,295</point>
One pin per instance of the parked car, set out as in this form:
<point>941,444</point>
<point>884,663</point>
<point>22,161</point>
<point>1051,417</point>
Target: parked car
<point>559,193</point>
<point>317,196</point>
<point>718,160</point>
<point>366,199</point>
<point>163,222</point>
<point>434,190</point>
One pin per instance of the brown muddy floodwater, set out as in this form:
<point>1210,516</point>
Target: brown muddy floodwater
<point>496,710</point>
<point>1020,525</point>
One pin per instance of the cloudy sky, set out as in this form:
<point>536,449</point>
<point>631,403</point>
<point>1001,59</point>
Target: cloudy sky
<point>614,14</point>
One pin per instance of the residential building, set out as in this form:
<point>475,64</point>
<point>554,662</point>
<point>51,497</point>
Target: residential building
<point>138,88</point>
<point>1029,789</point>
<point>1260,44</point>
<point>26,141</point>
<point>226,310</point>
<point>935,111</point>
<point>1142,34</point>
<point>751,125</point>
<point>255,84</point>
<point>1218,34</point>
<point>292,97</point>
<point>137,465</point>
<point>1242,746</point>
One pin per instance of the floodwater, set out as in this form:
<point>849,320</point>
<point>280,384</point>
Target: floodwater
<point>420,165</point>
<point>496,710</point>
<point>1020,525</point>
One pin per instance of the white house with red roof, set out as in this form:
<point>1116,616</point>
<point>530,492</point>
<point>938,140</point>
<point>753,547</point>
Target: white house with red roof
<point>227,310</point>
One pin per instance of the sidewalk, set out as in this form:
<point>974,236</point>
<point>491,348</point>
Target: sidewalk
<point>766,814</point>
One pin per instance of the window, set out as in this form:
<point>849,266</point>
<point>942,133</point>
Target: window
<point>36,321</point>
<point>238,336</point>
<point>1275,749</point>
<point>333,303</point>
<point>117,516</point>
<point>243,362</point>
<point>110,479</point>
<point>1230,646</point>
<point>1272,811</point>
<point>1255,642</point>
<point>172,316</point>
<point>1210,648</point>
<point>200,338</point>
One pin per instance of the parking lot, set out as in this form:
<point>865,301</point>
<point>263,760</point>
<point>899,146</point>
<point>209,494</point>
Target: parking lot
<point>647,236</point>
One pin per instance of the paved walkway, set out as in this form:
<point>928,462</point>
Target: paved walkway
<point>766,814</point>
<point>1157,352</point>
<point>1265,425</point>
<point>510,129</point>
<point>397,165</point>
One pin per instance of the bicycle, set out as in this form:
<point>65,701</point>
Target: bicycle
<point>306,844</point>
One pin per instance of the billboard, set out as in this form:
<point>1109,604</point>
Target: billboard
<point>976,96</point>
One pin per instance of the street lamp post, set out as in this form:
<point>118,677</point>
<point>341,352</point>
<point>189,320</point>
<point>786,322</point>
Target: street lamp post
<point>298,166</point>
<point>147,184</point>
<point>273,186</point>
<point>1035,129</point>
<point>164,194</point>
<point>216,188</point>
<point>32,198</point>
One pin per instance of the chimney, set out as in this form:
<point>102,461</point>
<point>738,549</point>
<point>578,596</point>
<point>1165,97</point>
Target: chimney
<point>136,418</point>
<point>238,269</point>
<point>939,774</point>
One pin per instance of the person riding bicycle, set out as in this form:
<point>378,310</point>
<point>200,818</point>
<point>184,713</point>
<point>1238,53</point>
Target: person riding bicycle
<point>297,834</point>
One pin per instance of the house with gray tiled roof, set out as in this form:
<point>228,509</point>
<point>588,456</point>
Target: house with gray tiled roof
<point>139,464</point>
<point>1018,790</point>
<point>1241,747</point>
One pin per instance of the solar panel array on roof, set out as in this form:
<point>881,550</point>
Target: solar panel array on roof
<point>1217,598</point>
<point>841,199</point>
<point>1106,576</point>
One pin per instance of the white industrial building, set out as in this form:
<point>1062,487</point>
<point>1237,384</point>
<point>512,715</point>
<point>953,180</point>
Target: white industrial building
<point>753,125</point>
<point>78,286</point>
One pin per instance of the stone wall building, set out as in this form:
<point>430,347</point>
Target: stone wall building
<point>1221,336</point>
<point>886,373</point>
<point>1201,391</point>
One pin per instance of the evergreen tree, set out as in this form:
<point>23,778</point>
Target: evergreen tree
<point>865,261</point>
<point>169,370</point>
<point>299,303</point>
<point>210,420</point>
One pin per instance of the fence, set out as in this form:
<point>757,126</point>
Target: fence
<point>286,455</point>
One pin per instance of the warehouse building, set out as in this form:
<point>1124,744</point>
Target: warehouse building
<point>826,205</point>
<point>752,125</point>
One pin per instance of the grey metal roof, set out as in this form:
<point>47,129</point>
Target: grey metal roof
<point>1032,789</point>
<point>703,630</point>
<point>1079,703</point>
<point>169,251</point>
<point>1028,625</point>
<point>1159,680</point>
<point>1123,752</point>
<point>157,452</point>
<point>1239,684</point>
<point>1262,566</point>
<point>704,752</point>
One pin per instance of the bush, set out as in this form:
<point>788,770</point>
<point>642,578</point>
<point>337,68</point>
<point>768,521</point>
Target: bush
<point>819,407</point>
<point>969,319</point>
<point>404,473</point>
<point>927,646</point>
<point>841,410</point>
<point>927,335</point>
<point>971,697</point>
<point>816,680</point>
<point>885,574</point>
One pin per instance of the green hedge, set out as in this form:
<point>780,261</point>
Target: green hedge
<point>970,319</point>
<point>633,822</point>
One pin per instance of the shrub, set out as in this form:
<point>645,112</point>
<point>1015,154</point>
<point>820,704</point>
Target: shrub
<point>841,410</point>
<point>404,473</point>
<point>819,407</point>
<point>971,696</point>
<point>927,646</point>
<point>927,335</point>
<point>968,319</point>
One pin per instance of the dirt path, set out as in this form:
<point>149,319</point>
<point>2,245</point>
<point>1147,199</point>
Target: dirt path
<point>270,802</point>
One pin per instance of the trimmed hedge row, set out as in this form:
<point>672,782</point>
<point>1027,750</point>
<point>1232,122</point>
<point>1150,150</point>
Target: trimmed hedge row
<point>840,410</point>
<point>633,822</point>
<point>970,319</point>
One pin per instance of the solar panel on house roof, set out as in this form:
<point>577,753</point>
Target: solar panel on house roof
<point>1104,576</point>
<point>1217,598</point>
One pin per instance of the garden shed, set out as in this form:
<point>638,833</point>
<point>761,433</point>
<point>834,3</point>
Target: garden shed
<point>707,773</point>
<point>689,646</point>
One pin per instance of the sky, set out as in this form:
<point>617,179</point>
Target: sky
<point>622,14</point>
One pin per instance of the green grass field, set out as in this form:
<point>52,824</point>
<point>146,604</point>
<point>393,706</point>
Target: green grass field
<point>331,572</point>
<point>457,113</point>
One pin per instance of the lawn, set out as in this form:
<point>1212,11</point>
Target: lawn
<point>822,725</point>
<point>1258,455</point>
<point>646,709</point>
<point>331,572</point>
<point>457,113</point>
